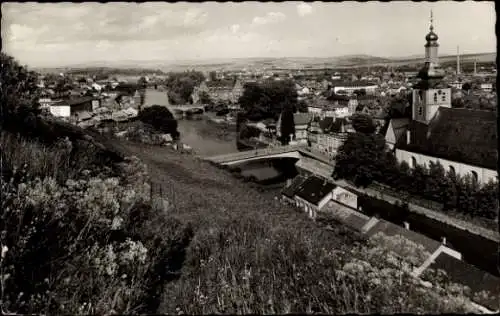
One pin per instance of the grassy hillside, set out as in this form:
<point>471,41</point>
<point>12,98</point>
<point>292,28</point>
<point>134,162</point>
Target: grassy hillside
<point>252,254</point>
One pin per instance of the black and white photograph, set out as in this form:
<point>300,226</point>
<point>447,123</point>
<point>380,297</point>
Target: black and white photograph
<point>192,158</point>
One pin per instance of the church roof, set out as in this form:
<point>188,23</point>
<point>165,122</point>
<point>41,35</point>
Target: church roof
<point>462,135</point>
<point>399,127</point>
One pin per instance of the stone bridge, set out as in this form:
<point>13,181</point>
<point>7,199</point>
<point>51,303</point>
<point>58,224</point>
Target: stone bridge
<point>291,151</point>
<point>263,153</point>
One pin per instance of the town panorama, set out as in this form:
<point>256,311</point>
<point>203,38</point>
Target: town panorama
<point>249,158</point>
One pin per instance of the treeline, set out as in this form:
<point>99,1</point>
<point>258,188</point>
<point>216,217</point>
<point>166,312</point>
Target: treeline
<point>364,159</point>
<point>181,85</point>
<point>109,71</point>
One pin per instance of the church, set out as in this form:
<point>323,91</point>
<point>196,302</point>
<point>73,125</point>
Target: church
<point>464,141</point>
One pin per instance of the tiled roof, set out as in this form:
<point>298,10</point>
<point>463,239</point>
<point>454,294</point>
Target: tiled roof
<point>462,135</point>
<point>477,280</point>
<point>76,101</point>
<point>302,118</point>
<point>314,189</point>
<point>290,190</point>
<point>390,229</point>
<point>357,83</point>
<point>346,216</point>
<point>400,126</point>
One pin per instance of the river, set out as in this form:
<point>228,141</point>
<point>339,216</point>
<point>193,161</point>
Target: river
<point>201,135</point>
<point>207,138</point>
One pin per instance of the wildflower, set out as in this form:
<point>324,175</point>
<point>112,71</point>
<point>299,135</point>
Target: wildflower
<point>4,251</point>
<point>117,223</point>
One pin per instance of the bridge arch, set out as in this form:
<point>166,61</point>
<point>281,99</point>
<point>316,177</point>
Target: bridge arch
<point>293,154</point>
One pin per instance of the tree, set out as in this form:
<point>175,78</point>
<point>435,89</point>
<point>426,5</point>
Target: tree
<point>457,103</point>
<point>302,107</point>
<point>205,98</point>
<point>19,97</point>
<point>161,119</point>
<point>363,123</point>
<point>142,83</point>
<point>287,126</point>
<point>212,76</point>
<point>466,87</point>
<point>268,99</point>
<point>181,85</point>
<point>362,158</point>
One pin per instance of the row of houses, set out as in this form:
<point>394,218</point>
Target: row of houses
<point>317,197</point>
<point>219,90</point>
<point>114,104</point>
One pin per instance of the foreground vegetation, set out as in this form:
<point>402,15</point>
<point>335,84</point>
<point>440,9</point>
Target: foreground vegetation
<point>80,235</point>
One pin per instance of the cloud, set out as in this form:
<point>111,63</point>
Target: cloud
<point>269,18</point>
<point>235,28</point>
<point>304,9</point>
<point>195,17</point>
<point>21,32</point>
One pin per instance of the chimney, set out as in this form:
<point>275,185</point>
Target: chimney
<point>408,138</point>
<point>443,240</point>
<point>407,225</point>
<point>458,60</point>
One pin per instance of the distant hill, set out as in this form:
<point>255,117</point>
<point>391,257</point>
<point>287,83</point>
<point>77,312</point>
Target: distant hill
<point>347,61</point>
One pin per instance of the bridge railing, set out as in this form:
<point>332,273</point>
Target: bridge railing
<point>256,153</point>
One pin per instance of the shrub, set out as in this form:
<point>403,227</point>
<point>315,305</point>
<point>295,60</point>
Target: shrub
<point>77,247</point>
<point>160,118</point>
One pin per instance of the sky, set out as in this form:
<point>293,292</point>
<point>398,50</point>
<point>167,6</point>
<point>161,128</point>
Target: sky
<point>60,34</point>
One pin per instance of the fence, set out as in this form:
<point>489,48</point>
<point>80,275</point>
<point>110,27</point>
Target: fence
<point>162,196</point>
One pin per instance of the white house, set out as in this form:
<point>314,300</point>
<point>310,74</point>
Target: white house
<point>60,110</point>
<point>349,87</point>
<point>487,86</point>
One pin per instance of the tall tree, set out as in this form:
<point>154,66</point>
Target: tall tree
<point>363,123</point>
<point>19,97</point>
<point>362,158</point>
<point>287,126</point>
<point>268,99</point>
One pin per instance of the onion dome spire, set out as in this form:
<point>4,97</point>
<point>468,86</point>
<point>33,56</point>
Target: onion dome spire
<point>431,37</point>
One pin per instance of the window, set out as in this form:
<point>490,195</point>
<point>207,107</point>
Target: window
<point>413,162</point>
<point>420,110</point>
<point>474,176</point>
<point>435,97</point>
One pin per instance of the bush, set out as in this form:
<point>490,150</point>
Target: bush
<point>89,244</point>
<point>160,118</point>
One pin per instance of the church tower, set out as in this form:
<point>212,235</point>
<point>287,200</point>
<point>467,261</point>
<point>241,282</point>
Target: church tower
<point>430,93</point>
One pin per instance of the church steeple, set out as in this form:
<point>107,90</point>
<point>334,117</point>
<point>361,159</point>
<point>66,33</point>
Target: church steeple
<point>430,93</point>
<point>431,66</point>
